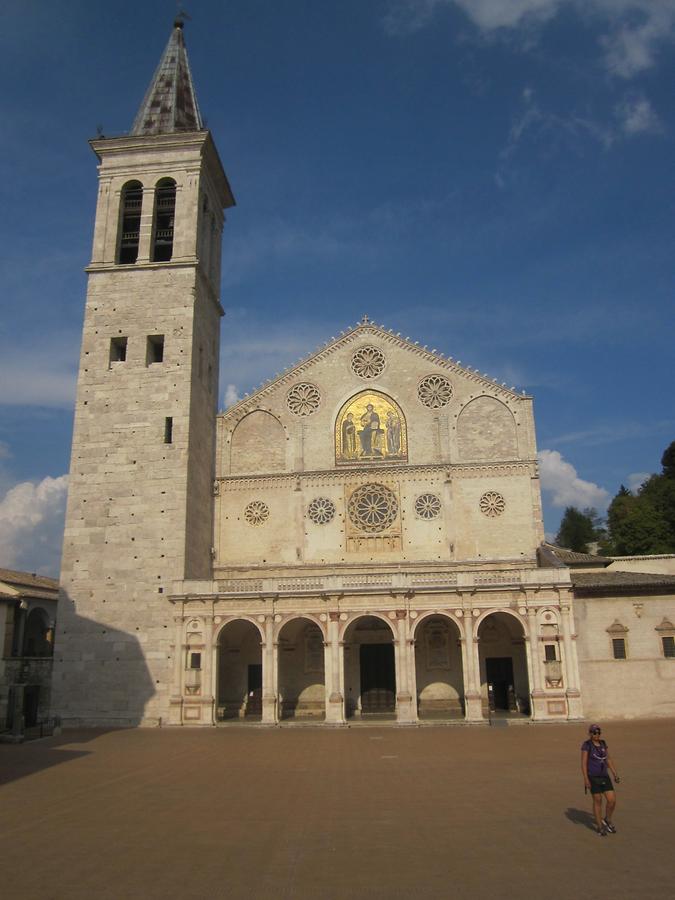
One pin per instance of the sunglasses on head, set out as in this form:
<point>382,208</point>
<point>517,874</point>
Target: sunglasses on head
<point>596,731</point>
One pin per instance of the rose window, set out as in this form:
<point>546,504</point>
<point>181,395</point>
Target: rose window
<point>321,510</point>
<point>257,512</point>
<point>373,507</point>
<point>434,391</point>
<point>428,506</point>
<point>368,362</point>
<point>303,399</point>
<point>492,504</point>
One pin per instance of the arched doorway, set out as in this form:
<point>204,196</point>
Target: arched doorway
<point>438,669</point>
<point>370,669</point>
<point>240,675</point>
<point>505,687</point>
<point>37,639</point>
<point>301,677</point>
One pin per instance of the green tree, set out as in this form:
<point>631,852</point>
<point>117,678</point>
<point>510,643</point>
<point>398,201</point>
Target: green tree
<point>668,461</point>
<point>644,523</point>
<point>577,529</point>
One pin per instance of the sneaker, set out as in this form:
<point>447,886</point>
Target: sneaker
<point>601,832</point>
<point>609,826</point>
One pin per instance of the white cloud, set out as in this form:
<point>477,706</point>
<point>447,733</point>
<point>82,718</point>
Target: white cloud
<point>231,395</point>
<point>635,481</point>
<point>559,478</point>
<point>636,115</point>
<point>31,525</point>
<point>633,30</point>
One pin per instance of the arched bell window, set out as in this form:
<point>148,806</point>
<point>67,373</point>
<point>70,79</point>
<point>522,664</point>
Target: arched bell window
<point>130,226</point>
<point>165,208</point>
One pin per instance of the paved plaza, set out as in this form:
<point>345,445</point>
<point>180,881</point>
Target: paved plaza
<point>312,812</point>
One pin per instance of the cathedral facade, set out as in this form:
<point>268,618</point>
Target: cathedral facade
<point>360,538</point>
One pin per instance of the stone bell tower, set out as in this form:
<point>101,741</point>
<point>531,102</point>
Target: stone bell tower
<point>140,505</point>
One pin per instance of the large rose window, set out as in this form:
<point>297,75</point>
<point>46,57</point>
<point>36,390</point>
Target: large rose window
<point>373,508</point>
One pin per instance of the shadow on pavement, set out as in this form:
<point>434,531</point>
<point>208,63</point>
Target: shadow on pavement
<point>580,817</point>
<point>20,760</point>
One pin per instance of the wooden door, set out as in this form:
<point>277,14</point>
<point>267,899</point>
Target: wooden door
<point>378,678</point>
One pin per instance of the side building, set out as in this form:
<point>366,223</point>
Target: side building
<point>28,605</point>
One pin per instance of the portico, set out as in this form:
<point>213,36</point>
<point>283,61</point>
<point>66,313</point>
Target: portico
<point>408,656</point>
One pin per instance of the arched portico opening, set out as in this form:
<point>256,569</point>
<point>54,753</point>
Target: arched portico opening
<point>438,669</point>
<point>301,677</point>
<point>505,688</point>
<point>370,669</point>
<point>37,640</point>
<point>240,675</point>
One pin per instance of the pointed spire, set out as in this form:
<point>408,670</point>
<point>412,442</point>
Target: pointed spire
<point>170,103</point>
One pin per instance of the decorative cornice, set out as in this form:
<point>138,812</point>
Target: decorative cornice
<point>319,477</point>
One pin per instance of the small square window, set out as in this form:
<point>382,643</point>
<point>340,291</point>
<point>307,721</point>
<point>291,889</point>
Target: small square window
<point>549,652</point>
<point>195,660</point>
<point>619,648</point>
<point>155,349</point>
<point>668,647</point>
<point>118,349</point>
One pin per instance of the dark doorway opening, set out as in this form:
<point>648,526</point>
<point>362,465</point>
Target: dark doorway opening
<point>254,698</point>
<point>378,678</point>
<point>499,674</point>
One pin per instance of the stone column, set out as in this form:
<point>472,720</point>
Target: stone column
<point>147,217</point>
<point>176,699</point>
<point>269,664</point>
<point>473,700</point>
<point>572,681</point>
<point>208,695</point>
<point>534,666</point>
<point>404,701</point>
<point>335,705</point>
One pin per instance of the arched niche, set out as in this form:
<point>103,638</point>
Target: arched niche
<point>258,445</point>
<point>370,428</point>
<point>486,430</point>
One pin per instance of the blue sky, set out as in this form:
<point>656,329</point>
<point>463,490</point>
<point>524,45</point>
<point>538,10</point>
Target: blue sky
<point>493,178</point>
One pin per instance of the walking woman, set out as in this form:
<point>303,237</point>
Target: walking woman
<point>595,763</point>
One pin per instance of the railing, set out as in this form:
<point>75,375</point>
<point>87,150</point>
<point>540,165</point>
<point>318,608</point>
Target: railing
<point>375,581</point>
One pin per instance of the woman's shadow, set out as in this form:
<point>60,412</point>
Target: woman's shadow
<point>580,817</point>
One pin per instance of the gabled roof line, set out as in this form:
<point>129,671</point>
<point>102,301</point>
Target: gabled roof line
<point>250,401</point>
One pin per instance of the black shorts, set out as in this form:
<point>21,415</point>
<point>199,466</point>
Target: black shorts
<point>600,784</point>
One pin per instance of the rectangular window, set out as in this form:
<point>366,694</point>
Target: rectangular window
<point>168,430</point>
<point>668,647</point>
<point>549,652</point>
<point>155,349</point>
<point>195,660</point>
<point>619,648</point>
<point>118,349</point>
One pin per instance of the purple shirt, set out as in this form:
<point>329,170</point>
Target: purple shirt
<point>597,757</point>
